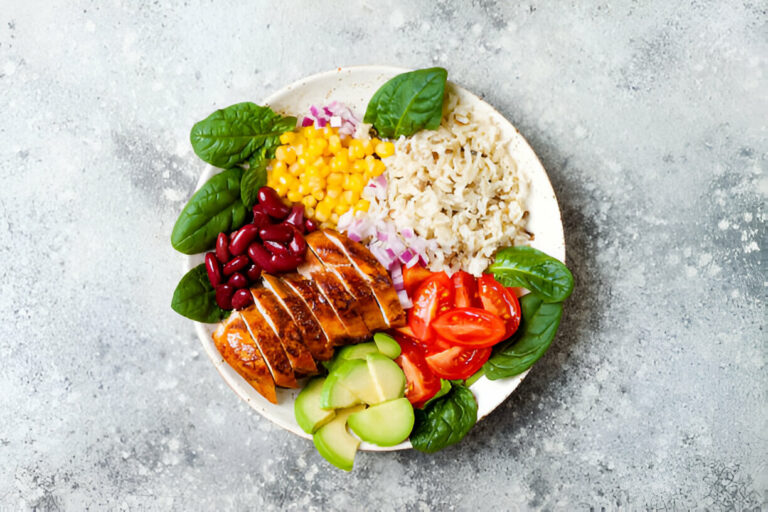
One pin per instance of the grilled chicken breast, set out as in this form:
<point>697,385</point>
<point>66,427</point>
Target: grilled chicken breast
<point>374,274</point>
<point>286,331</point>
<point>335,260</point>
<point>340,299</point>
<point>311,332</point>
<point>318,304</point>
<point>236,346</point>
<point>270,347</point>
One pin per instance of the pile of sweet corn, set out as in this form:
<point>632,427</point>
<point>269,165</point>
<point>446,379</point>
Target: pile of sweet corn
<point>326,172</point>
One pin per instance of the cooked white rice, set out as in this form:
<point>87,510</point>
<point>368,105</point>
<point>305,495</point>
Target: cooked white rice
<point>457,185</point>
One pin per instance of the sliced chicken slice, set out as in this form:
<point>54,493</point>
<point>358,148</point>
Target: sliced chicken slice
<point>335,260</point>
<point>238,349</point>
<point>343,303</point>
<point>374,274</point>
<point>318,304</point>
<point>270,347</point>
<point>285,329</point>
<point>311,332</point>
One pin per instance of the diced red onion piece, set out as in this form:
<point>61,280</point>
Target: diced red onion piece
<point>335,121</point>
<point>404,300</point>
<point>397,277</point>
<point>307,122</point>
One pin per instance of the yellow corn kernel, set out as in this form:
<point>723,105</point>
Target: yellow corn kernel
<point>334,144</point>
<point>312,172</point>
<point>280,152</point>
<point>287,137</point>
<point>356,183</point>
<point>362,205</point>
<point>368,147</point>
<point>294,196</point>
<point>299,149</point>
<point>309,132</point>
<point>333,192</point>
<point>356,149</point>
<point>328,131</point>
<point>304,189</point>
<point>309,212</point>
<point>321,214</point>
<point>335,179</point>
<point>279,166</point>
<point>370,163</point>
<point>340,163</point>
<point>385,149</point>
<point>283,180</point>
<point>316,183</point>
<point>341,208</point>
<point>325,171</point>
<point>316,146</point>
<point>335,218</point>
<point>295,169</point>
<point>360,166</point>
<point>318,193</point>
<point>378,167</point>
<point>349,197</point>
<point>309,202</point>
<point>280,189</point>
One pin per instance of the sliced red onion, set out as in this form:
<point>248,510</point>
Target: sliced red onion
<point>307,122</point>
<point>321,123</point>
<point>314,111</point>
<point>404,300</point>
<point>384,237</point>
<point>407,233</point>
<point>397,277</point>
<point>336,121</point>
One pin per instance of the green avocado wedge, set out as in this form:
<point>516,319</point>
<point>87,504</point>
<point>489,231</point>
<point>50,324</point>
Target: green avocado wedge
<point>335,443</point>
<point>386,424</point>
<point>309,415</point>
<point>387,345</point>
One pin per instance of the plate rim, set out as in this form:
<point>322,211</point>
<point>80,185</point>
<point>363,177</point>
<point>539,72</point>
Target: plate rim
<point>223,368</point>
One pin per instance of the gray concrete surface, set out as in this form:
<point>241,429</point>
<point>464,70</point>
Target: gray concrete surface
<point>651,120</point>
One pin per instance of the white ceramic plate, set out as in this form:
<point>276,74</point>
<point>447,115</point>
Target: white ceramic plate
<point>354,86</point>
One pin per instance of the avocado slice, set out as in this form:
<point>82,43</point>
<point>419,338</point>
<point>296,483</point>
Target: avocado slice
<point>349,384</point>
<point>358,351</point>
<point>388,379</point>
<point>335,443</point>
<point>384,424</point>
<point>309,415</point>
<point>387,345</point>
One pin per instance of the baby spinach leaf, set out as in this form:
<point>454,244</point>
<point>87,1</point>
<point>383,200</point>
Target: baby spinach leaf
<point>254,178</point>
<point>445,421</point>
<point>216,207</point>
<point>445,387</point>
<point>532,269</point>
<point>532,339</point>
<point>195,298</point>
<point>231,135</point>
<point>408,103</point>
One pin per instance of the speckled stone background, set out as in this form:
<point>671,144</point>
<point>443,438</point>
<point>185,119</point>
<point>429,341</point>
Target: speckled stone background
<point>651,120</point>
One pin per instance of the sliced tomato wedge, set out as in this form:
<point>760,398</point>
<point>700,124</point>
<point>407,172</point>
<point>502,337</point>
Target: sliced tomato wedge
<point>465,290</point>
<point>500,301</point>
<point>414,276</point>
<point>421,383</point>
<point>456,362</point>
<point>432,298</point>
<point>470,327</point>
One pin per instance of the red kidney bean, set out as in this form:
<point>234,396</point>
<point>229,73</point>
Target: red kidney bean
<point>310,225</point>
<point>237,280</point>
<point>298,245</point>
<point>270,201</point>
<point>277,248</point>
<point>224,296</point>
<point>260,218</point>
<point>277,233</point>
<point>253,272</point>
<point>236,264</point>
<point>285,263</point>
<point>242,239</point>
<point>242,299</point>
<point>296,217</point>
<point>260,256</point>
<point>222,248</point>
<point>213,268</point>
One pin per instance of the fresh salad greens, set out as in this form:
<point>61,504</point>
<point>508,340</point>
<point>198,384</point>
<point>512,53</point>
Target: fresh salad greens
<point>445,421</point>
<point>532,339</point>
<point>215,208</point>
<point>254,177</point>
<point>195,298</point>
<point>530,268</point>
<point>232,135</point>
<point>408,103</point>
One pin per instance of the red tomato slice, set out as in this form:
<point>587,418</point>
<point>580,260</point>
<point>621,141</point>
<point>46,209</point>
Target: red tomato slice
<point>470,327</point>
<point>413,277</point>
<point>458,362</point>
<point>500,301</point>
<point>421,383</point>
<point>433,297</point>
<point>465,290</point>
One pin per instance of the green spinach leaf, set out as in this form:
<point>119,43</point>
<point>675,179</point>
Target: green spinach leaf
<point>445,388</point>
<point>532,269</point>
<point>408,103</point>
<point>195,298</point>
<point>254,178</point>
<point>445,421</point>
<point>231,135</point>
<point>532,339</point>
<point>216,207</point>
